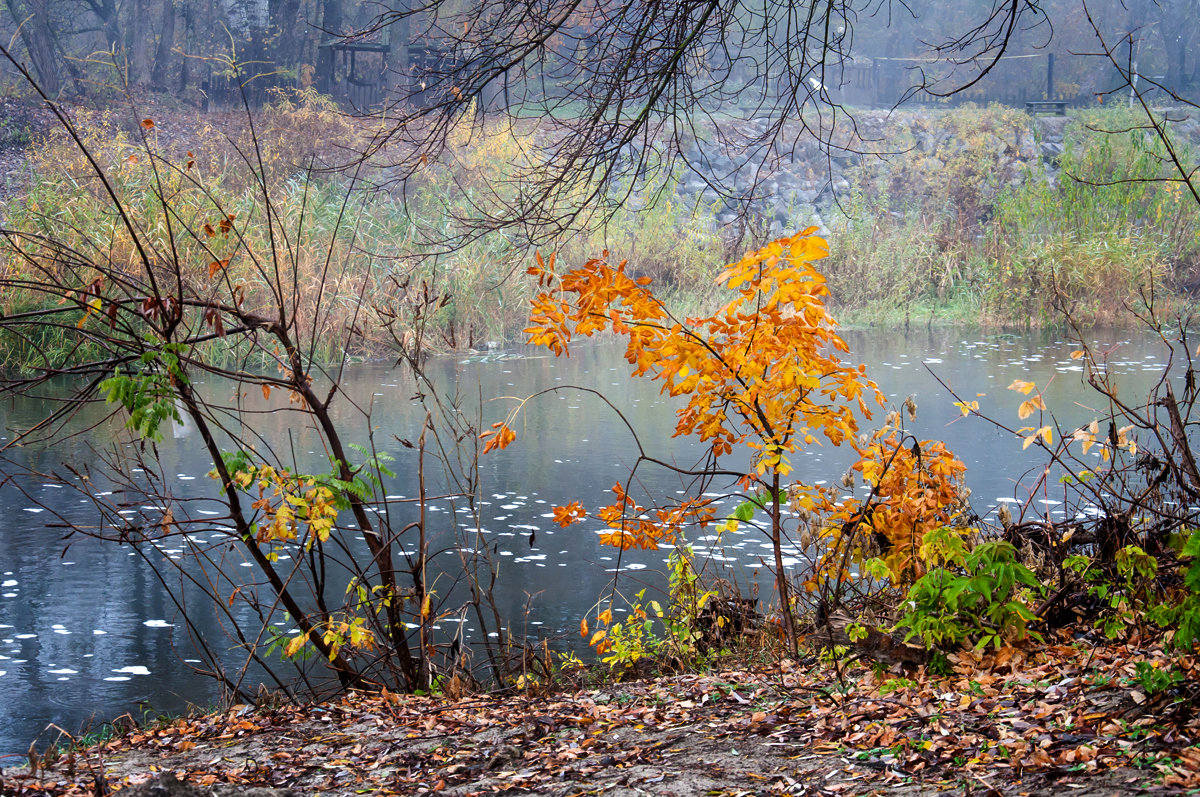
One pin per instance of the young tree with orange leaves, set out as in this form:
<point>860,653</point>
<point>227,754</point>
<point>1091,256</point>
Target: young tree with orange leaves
<point>764,372</point>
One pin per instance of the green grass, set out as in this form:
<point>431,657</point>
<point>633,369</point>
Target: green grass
<point>946,233</point>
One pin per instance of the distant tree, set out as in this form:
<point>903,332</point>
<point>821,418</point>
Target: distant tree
<point>1178,23</point>
<point>33,19</point>
<point>632,86</point>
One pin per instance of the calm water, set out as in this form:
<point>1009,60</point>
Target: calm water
<point>87,632</point>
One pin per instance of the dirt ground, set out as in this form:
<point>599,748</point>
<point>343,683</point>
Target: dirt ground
<point>773,730</point>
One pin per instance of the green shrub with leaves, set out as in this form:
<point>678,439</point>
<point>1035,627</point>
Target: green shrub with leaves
<point>1137,592</point>
<point>971,597</point>
<point>652,633</point>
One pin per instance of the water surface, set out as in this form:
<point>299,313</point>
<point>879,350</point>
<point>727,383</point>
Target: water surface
<point>87,631</point>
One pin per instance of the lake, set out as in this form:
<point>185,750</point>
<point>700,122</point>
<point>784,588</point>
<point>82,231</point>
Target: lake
<point>87,632</point>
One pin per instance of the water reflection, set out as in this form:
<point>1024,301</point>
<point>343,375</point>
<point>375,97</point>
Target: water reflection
<point>88,631</point>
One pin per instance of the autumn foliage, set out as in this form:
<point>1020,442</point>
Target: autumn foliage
<point>764,373</point>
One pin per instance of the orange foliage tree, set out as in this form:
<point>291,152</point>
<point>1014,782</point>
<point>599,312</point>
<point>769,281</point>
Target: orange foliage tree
<point>764,372</point>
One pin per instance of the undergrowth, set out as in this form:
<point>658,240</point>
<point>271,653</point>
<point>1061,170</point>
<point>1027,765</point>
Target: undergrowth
<point>966,225</point>
<point>969,222</point>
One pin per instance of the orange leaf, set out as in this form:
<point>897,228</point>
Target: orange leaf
<point>266,390</point>
<point>498,437</point>
<point>215,266</point>
<point>571,513</point>
<point>148,124</point>
<point>583,628</point>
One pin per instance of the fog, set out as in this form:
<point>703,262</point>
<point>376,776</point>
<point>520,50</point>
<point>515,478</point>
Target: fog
<point>368,54</point>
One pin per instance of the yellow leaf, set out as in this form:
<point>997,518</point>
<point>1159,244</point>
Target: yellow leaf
<point>1027,407</point>
<point>1024,387</point>
<point>294,646</point>
<point>966,407</point>
<point>1075,355</point>
<point>598,637</point>
<point>605,617</point>
<point>426,607</point>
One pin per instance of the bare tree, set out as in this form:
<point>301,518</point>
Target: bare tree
<point>721,90</point>
<point>145,331</point>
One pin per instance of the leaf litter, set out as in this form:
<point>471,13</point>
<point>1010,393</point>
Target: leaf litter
<point>1066,718</point>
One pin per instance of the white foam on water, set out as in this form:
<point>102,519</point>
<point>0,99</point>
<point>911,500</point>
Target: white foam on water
<point>98,632</point>
<point>158,624</point>
<point>8,583</point>
<point>63,671</point>
<point>118,678</point>
<point>133,669</point>
<point>34,509</point>
<point>26,636</point>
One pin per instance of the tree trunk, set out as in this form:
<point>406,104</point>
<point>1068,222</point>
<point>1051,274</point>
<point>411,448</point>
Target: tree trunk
<point>34,21</point>
<point>284,16</point>
<point>166,41</point>
<point>398,68</point>
<point>138,45</point>
<point>329,29</point>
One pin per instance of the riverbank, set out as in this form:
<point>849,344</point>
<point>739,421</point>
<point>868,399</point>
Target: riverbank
<point>984,217</point>
<point>1067,715</point>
